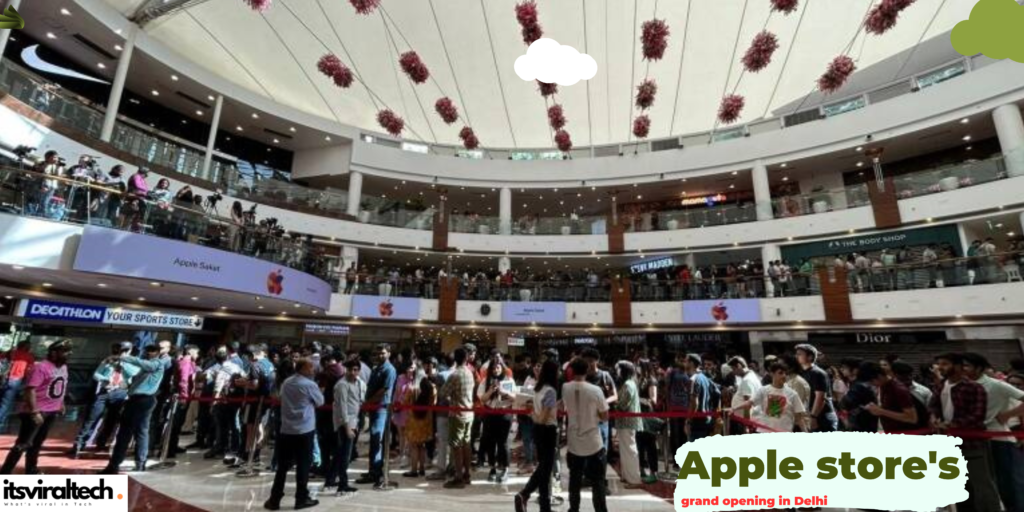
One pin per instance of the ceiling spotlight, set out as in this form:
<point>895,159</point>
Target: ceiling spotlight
<point>965,120</point>
<point>155,284</point>
<point>969,148</point>
<point>50,35</point>
<point>298,305</point>
<point>327,138</point>
<point>784,165</point>
<point>101,65</point>
<point>142,299</point>
<point>255,115</point>
<point>156,92</point>
<point>260,307</point>
<point>732,186</point>
<point>101,285</point>
<point>17,267</point>
<point>239,128</point>
<point>195,298</point>
<point>65,12</point>
<point>967,138</point>
<point>174,77</point>
<point>785,178</point>
<point>1011,234</point>
<point>860,148</point>
<point>118,47</point>
<point>734,173</point>
<point>211,98</point>
<point>292,129</point>
<point>276,141</point>
<point>860,164</point>
<point>47,285</point>
<point>223,308</point>
<point>199,112</point>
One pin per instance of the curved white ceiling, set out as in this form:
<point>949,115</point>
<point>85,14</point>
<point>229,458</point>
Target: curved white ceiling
<point>256,51</point>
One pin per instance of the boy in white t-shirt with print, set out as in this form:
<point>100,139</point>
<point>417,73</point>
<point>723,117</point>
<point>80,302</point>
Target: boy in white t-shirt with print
<point>778,406</point>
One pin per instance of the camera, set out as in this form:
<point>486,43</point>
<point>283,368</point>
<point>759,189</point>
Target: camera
<point>23,151</point>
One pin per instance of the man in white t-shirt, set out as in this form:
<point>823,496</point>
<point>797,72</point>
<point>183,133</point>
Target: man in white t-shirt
<point>586,408</point>
<point>747,383</point>
<point>778,407</point>
<point>1003,403</point>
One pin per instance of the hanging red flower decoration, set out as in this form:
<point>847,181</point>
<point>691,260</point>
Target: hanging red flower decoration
<point>884,15</point>
<point>469,140</point>
<point>365,6</point>
<point>332,66</point>
<point>785,6</point>
<point>563,140</point>
<point>343,77</point>
<point>259,5</point>
<point>654,39</point>
<point>532,33</point>
<point>556,117</point>
<point>732,106</point>
<point>414,67</point>
<point>642,126</point>
<point>390,122</point>
<point>645,93</point>
<point>759,55</point>
<point>526,13</point>
<point>547,89</point>
<point>445,108</point>
<point>839,70</point>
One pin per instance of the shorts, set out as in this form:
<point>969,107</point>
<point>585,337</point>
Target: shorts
<point>249,413</point>
<point>459,431</point>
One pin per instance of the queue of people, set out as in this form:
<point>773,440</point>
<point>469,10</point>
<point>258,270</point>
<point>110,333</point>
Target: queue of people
<point>458,413</point>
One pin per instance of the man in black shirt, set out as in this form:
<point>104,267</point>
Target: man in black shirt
<point>861,394</point>
<point>822,413</point>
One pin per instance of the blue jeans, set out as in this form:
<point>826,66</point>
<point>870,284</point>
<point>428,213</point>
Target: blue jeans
<point>1008,459</point>
<point>605,436</point>
<point>378,422</point>
<point>7,400</point>
<point>339,473</point>
<point>99,407</point>
<point>134,423</point>
<point>526,427</point>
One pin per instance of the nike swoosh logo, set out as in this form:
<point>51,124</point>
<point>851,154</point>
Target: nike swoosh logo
<point>30,56</point>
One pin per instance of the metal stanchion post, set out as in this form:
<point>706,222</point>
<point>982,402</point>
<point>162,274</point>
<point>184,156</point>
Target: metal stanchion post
<point>386,483</point>
<point>249,470</point>
<point>666,453</point>
<point>163,463</point>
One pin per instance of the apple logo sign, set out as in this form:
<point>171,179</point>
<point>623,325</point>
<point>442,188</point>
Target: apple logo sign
<point>275,282</point>
<point>720,312</point>
<point>386,308</point>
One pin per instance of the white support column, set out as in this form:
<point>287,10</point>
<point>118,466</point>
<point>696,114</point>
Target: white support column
<point>355,192</point>
<point>211,141</point>
<point>1010,130</point>
<point>6,34</point>
<point>770,252</point>
<point>504,263</point>
<point>117,88</point>
<point>690,260</point>
<point>762,191</point>
<point>505,212</point>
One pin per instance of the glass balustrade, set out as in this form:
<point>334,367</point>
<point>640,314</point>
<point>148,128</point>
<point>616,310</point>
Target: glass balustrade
<point>949,178</point>
<point>698,217</point>
<point>93,198</point>
<point>822,201</point>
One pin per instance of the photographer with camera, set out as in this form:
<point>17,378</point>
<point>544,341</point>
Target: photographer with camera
<point>80,198</point>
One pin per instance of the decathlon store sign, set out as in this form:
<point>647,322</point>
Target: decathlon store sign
<point>83,313</point>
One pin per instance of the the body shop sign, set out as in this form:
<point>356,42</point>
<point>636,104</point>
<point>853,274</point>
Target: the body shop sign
<point>120,253</point>
<point>102,315</point>
<point>533,312</point>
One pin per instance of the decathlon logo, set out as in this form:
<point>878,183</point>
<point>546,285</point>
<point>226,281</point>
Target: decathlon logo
<point>63,311</point>
<point>108,492</point>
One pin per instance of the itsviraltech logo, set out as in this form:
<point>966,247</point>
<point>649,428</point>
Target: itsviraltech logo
<point>107,492</point>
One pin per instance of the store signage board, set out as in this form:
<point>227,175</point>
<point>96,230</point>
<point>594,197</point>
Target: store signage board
<point>102,315</point>
<point>120,253</point>
<point>533,312</point>
<point>649,266</point>
<point>893,240</point>
<point>327,329</point>
<point>385,308</point>
<point>516,341</point>
<point>737,311</point>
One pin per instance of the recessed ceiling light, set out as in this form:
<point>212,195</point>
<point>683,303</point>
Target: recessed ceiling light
<point>967,138</point>
<point>239,128</point>
<point>292,129</point>
<point>259,307</point>
<point>734,173</point>
<point>1011,233</point>
<point>155,284</point>
<point>211,98</point>
<point>327,138</point>
<point>784,165</point>
<point>732,186</point>
<point>965,120</point>
<point>860,164</point>
<point>142,299</point>
<point>8,297</point>
<point>860,148</point>
<point>47,285</point>
<point>199,112</point>
<point>255,115</point>
<point>156,92</point>
<point>929,219</point>
<point>118,47</point>
<point>101,285</point>
<point>65,12</point>
<point>101,65</point>
<point>223,308</point>
<point>174,77</point>
<point>50,35</point>
<point>276,141</point>
<point>785,178</point>
<point>298,305</point>
<point>17,267</point>
<point>969,148</point>
<point>195,298</point>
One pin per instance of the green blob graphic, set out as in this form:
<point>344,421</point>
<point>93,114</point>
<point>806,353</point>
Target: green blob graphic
<point>995,28</point>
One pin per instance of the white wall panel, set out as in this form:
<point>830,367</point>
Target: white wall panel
<point>792,309</point>
<point>586,313</point>
<point>428,310</point>
<point>940,303</point>
<point>37,243</point>
<point>529,244</point>
<point>657,313</point>
<point>469,311</point>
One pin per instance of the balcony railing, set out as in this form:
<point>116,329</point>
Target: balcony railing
<point>530,225</point>
<point>822,201</point>
<point>949,178</point>
<point>101,201</point>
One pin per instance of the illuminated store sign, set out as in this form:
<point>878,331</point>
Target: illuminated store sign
<point>102,315</point>
<point>648,266</point>
<point>703,200</point>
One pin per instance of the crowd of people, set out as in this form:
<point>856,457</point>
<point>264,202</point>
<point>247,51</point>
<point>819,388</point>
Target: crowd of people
<point>84,193</point>
<point>459,412</point>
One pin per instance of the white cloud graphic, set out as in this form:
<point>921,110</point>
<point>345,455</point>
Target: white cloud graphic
<point>550,62</point>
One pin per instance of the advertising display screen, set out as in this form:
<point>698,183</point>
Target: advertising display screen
<point>529,312</point>
<point>385,308</point>
<point>737,311</point>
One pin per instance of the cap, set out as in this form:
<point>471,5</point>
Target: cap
<point>125,345</point>
<point>60,346</point>
<point>813,352</point>
<point>469,347</point>
<point>693,358</point>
